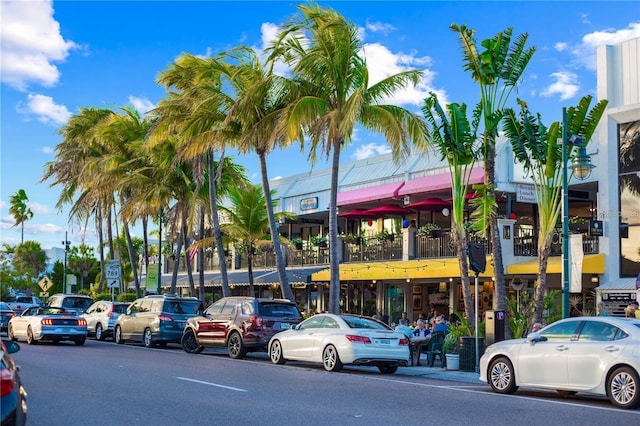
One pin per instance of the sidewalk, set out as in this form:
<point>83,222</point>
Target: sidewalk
<point>437,372</point>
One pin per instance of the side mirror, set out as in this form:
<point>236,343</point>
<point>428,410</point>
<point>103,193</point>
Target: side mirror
<point>535,337</point>
<point>12,347</point>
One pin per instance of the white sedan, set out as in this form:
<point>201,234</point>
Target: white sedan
<point>54,324</point>
<point>597,355</point>
<point>337,340</point>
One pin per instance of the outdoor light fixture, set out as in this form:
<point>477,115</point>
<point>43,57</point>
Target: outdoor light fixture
<point>581,167</point>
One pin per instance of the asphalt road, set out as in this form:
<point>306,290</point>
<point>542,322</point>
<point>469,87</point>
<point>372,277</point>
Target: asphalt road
<point>102,383</point>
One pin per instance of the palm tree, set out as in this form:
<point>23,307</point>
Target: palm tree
<point>20,210</point>
<point>535,146</point>
<point>497,69</point>
<point>456,141</point>
<point>332,95</point>
<point>248,222</point>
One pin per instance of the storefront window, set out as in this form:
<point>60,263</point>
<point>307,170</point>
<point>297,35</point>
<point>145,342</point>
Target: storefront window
<point>630,199</point>
<point>394,303</point>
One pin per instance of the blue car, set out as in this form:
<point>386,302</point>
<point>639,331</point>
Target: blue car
<point>14,396</point>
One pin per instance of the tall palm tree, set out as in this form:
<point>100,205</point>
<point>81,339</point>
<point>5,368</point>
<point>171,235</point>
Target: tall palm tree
<point>497,69</point>
<point>261,96</point>
<point>20,210</point>
<point>535,146</point>
<point>456,141</point>
<point>333,95</point>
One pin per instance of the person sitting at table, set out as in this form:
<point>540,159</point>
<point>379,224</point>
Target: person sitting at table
<point>441,325</point>
<point>403,320</point>
<point>420,337</point>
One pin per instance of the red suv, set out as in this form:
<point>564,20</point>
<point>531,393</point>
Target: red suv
<point>241,324</point>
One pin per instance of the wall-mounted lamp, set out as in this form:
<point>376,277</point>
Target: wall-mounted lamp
<point>408,280</point>
<point>445,212</point>
<point>442,287</point>
<point>373,281</point>
<point>595,279</point>
<point>450,280</point>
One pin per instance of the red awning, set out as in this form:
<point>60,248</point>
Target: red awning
<point>388,210</point>
<point>372,193</point>
<point>356,214</point>
<point>437,182</point>
<point>432,204</point>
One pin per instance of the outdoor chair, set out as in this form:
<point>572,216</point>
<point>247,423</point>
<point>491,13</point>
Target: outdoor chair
<point>434,348</point>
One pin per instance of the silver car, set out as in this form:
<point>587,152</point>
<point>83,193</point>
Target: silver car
<point>101,317</point>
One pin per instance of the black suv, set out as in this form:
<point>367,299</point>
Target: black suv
<point>155,320</point>
<point>242,324</point>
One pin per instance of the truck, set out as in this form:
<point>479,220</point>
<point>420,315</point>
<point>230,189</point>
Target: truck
<point>23,302</point>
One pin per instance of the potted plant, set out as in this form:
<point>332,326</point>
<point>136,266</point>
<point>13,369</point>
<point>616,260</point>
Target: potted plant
<point>384,235</point>
<point>319,240</point>
<point>297,243</point>
<point>430,230</point>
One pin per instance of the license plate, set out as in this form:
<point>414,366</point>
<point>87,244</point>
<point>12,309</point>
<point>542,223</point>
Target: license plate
<point>384,341</point>
<point>285,325</point>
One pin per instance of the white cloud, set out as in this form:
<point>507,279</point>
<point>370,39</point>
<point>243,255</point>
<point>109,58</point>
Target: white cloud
<point>38,208</point>
<point>565,85</point>
<point>561,47</point>
<point>370,150</point>
<point>383,63</point>
<point>585,52</point>
<point>2,204</point>
<point>31,42</point>
<point>379,27</point>
<point>143,105</point>
<point>48,150</point>
<point>46,110</point>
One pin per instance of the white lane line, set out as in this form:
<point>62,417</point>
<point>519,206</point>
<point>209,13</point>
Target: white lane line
<point>211,384</point>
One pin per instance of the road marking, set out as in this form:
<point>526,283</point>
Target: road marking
<point>211,384</point>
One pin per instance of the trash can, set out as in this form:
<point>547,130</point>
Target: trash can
<point>468,352</point>
<point>495,323</point>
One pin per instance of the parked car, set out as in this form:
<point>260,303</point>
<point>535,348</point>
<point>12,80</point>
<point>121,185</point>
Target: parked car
<point>101,317</point>
<point>241,324</point>
<point>6,313</point>
<point>338,340</point>
<point>13,398</point>
<point>598,355</point>
<point>72,303</point>
<point>48,323</point>
<point>23,302</point>
<point>155,320</point>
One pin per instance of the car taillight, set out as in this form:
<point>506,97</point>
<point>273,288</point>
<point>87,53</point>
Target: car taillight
<point>404,342</point>
<point>109,314</point>
<point>47,321</point>
<point>358,339</point>
<point>163,317</point>
<point>82,322</point>
<point>256,321</point>
<point>7,382</point>
<point>11,315</point>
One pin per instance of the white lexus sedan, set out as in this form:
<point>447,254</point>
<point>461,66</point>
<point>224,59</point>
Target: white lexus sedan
<point>597,355</point>
<point>337,340</point>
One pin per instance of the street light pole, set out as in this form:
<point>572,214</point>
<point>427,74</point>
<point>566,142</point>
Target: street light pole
<point>66,243</point>
<point>581,168</point>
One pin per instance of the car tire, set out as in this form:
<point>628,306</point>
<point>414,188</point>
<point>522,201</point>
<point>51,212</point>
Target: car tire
<point>235,346</point>
<point>502,376</point>
<point>30,339</point>
<point>99,333</point>
<point>10,334</point>
<point>117,335</point>
<point>388,369</point>
<point>331,360</point>
<point>147,337</point>
<point>190,343</point>
<point>623,388</point>
<point>275,352</point>
<point>79,342</point>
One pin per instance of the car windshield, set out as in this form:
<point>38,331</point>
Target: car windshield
<point>76,303</point>
<point>360,322</point>
<point>278,310</point>
<point>51,311</point>
<point>183,307</point>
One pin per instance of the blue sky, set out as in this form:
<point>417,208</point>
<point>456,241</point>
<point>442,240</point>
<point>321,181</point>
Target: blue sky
<point>60,56</point>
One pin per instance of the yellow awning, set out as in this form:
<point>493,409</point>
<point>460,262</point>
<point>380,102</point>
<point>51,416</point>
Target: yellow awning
<point>591,264</point>
<point>413,269</point>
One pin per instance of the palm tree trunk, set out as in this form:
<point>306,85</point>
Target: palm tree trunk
<point>187,259</point>
<point>112,254</point>
<point>541,283</point>
<point>334,260</point>
<point>252,290</point>
<point>460,242</point>
<point>226,292</point>
<point>100,227</point>
<point>201,230</point>
<point>287,293</point>
<point>145,243</point>
<point>176,264</point>
<point>132,260</point>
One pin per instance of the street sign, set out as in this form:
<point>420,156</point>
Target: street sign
<point>113,269</point>
<point>113,282</point>
<point>44,294</point>
<point>45,283</point>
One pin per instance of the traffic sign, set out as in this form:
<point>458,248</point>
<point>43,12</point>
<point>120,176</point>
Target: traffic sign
<point>113,269</point>
<point>113,282</point>
<point>45,283</point>
<point>44,294</point>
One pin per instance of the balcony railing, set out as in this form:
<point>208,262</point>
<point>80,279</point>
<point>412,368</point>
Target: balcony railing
<point>525,242</point>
